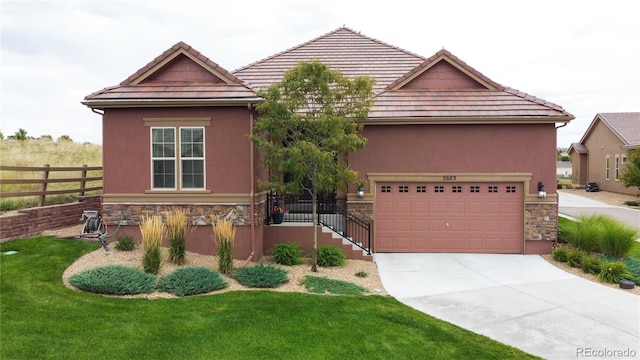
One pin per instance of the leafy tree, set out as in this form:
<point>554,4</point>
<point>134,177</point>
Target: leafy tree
<point>21,135</point>
<point>1,136</point>
<point>630,175</point>
<point>306,123</point>
<point>64,138</point>
<point>46,137</point>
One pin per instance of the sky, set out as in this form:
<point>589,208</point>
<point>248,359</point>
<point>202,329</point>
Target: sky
<point>583,55</point>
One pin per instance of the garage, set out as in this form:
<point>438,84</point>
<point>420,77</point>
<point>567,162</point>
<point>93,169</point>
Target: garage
<point>449,217</point>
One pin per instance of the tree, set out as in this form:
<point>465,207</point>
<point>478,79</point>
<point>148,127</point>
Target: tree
<point>21,135</point>
<point>305,124</point>
<point>630,175</point>
<point>64,138</point>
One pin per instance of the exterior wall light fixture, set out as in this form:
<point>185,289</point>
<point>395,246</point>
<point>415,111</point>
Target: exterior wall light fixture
<point>542,192</point>
<point>360,192</point>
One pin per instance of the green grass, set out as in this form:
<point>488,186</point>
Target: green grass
<point>324,285</point>
<point>42,319</point>
<point>634,252</point>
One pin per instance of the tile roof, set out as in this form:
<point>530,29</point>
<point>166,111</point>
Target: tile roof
<point>406,87</point>
<point>343,49</point>
<point>625,125</point>
<point>162,82</point>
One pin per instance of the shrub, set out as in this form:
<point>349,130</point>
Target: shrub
<point>125,243</point>
<point>152,230</point>
<point>361,274</point>
<point>560,254</point>
<point>191,281</point>
<point>614,271</point>
<point>331,255</point>
<point>583,234</point>
<point>287,253</point>
<point>633,266</point>
<point>616,238</point>
<point>114,280</point>
<point>177,226</point>
<point>575,258</point>
<point>261,276</point>
<point>632,203</point>
<point>224,234</point>
<point>591,265</point>
<point>321,285</point>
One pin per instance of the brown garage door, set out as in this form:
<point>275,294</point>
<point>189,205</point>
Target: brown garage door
<point>449,217</point>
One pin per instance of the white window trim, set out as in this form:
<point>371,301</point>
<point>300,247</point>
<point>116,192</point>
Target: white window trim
<point>178,158</point>
<point>607,167</point>
<point>617,167</point>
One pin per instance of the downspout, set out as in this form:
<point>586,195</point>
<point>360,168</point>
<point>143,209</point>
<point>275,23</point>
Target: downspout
<point>555,243</point>
<point>252,194</point>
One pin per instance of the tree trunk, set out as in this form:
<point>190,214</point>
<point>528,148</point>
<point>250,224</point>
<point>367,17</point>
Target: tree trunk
<point>314,217</point>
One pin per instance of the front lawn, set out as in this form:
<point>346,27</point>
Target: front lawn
<point>41,318</point>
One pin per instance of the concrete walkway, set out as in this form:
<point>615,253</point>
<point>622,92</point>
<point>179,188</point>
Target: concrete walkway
<point>519,300</point>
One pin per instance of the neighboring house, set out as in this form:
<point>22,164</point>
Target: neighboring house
<point>453,161</point>
<point>563,169</point>
<point>602,153</point>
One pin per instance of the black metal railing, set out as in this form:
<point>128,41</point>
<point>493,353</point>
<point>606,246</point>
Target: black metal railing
<point>339,220</point>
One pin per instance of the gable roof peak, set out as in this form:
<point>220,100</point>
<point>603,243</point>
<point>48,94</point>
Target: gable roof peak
<point>180,48</point>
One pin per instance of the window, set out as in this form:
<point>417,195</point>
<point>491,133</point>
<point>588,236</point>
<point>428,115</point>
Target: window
<point>456,189</point>
<point>403,189</point>
<point>474,188</point>
<point>438,189</point>
<point>493,189</point>
<point>421,189</point>
<point>511,189</point>
<point>617,169</point>
<point>606,171</point>
<point>624,159</point>
<point>385,188</point>
<point>172,169</point>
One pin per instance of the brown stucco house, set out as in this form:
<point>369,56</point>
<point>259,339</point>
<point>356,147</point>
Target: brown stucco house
<point>602,153</point>
<point>454,160</point>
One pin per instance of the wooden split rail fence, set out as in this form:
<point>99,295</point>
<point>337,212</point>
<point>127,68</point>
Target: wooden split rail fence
<point>47,179</point>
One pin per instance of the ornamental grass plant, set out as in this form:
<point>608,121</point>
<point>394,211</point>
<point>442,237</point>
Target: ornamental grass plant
<point>177,228</point>
<point>224,235</point>
<point>152,229</point>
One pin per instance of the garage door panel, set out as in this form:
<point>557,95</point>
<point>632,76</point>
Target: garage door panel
<point>481,217</point>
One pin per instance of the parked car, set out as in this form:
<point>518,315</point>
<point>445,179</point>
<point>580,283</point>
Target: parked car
<point>592,187</point>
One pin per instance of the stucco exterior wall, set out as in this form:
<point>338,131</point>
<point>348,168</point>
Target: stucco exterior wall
<point>458,149</point>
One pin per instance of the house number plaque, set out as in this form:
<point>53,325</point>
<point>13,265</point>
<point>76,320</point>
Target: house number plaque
<point>449,178</point>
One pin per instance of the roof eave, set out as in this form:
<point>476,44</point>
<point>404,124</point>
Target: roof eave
<point>464,120</point>
<point>133,103</point>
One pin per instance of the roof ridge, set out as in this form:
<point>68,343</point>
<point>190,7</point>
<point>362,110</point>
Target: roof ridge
<point>322,37</point>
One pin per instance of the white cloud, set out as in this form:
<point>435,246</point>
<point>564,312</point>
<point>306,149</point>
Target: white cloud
<point>582,55</point>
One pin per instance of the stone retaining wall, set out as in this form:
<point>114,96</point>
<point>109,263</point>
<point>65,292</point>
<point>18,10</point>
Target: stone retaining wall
<point>33,221</point>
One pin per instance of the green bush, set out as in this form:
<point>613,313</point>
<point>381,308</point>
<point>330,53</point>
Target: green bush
<point>191,281</point>
<point>583,234</point>
<point>575,258</point>
<point>633,265</point>
<point>614,271</point>
<point>261,276</point>
<point>616,238</point>
<point>287,253</point>
<point>591,265</point>
<point>321,285</point>
<point>361,274</point>
<point>114,280</point>
<point>632,203</point>
<point>125,243</point>
<point>152,260</point>
<point>560,254</point>
<point>330,256</point>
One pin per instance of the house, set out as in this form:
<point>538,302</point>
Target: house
<point>563,169</point>
<point>454,160</point>
<point>602,153</point>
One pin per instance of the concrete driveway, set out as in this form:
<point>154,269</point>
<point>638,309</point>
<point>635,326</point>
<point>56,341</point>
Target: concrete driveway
<point>519,300</point>
<point>576,205</point>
